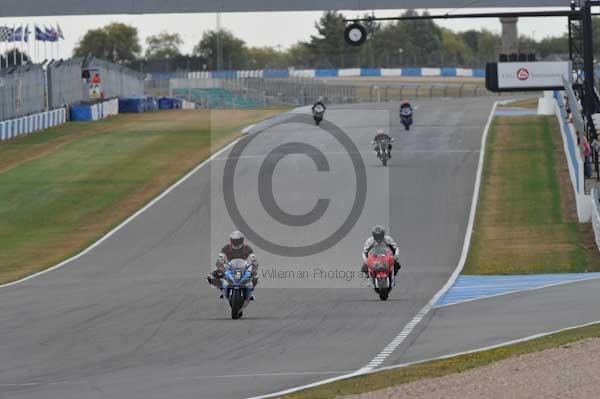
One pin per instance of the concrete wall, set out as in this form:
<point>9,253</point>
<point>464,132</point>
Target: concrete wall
<point>32,123</point>
<point>574,160</point>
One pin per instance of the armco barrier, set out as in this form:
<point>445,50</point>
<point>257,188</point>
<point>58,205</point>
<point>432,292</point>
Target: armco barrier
<point>343,72</point>
<point>32,123</point>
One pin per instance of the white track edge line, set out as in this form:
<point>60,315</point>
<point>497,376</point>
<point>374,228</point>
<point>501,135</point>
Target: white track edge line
<point>126,221</point>
<point>517,292</point>
<point>486,348</point>
<point>423,312</point>
<point>448,356</point>
<point>409,328</point>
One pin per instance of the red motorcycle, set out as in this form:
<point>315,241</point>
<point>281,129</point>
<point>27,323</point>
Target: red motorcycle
<point>380,266</point>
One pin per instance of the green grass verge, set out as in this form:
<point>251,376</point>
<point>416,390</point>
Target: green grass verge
<point>526,221</point>
<point>62,189</point>
<point>439,368</point>
<point>531,103</point>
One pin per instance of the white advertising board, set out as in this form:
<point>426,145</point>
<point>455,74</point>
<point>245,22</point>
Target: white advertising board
<point>541,74</point>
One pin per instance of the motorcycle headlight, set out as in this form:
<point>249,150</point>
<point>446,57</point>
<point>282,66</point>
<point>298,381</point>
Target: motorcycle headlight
<point>238,274</point>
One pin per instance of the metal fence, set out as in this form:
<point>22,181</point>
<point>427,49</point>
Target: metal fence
<point>29,89</point>
<point>296,91</point>
<point>302,91</point>
<point>22,91</point>
<point>117,80</point>
<point>65,85</point>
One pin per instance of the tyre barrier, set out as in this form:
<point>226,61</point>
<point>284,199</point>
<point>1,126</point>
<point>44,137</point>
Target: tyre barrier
<point>12,128</point>
<point>175,103</point>
<point>129,105</point>
<point>94,112</point>
<point>169,103</point>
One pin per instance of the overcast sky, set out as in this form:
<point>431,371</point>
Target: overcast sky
<point>259,29</point>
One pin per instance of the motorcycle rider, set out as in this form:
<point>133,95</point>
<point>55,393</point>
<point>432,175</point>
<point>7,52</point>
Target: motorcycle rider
<point>405,104</point>
<point>319,102</point>
<point>378,237</point>
<point>382,135</point>
<point>234,249</point>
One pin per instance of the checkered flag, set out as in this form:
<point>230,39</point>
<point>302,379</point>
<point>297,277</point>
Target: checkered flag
<point>6,33</point>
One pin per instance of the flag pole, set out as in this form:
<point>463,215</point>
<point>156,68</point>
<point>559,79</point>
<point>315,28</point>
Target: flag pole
<point>57,42</point>
<point>14,47</point>
<point>35,43</point>
<point>22,43</point>
<point>28,44</point>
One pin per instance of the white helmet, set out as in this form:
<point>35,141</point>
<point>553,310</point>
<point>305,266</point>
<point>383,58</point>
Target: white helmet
<point>378,233</point>
<point>236,239</point>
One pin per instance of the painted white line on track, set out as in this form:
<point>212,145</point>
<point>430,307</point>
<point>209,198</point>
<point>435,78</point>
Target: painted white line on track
<point>129,219</point>
<point>401,337</point>
<point>486,348</point>
<point>408,329</point>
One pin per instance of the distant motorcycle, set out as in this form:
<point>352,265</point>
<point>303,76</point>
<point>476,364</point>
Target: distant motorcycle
<point>318,113</point>
<point>380,266</point>
<point>382,147</point>
<point>237,285</point>
<point>406,117</point>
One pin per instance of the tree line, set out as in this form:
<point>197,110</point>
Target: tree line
<point>390,44</point>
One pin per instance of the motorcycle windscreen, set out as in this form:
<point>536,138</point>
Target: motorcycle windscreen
<point>238,264</point>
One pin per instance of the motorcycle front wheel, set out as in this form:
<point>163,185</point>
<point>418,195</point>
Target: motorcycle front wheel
<point>236,302</point>
<point>384,293</point>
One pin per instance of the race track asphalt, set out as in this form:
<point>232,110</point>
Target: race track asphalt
<point>134,318</point>
<point>494,321</point>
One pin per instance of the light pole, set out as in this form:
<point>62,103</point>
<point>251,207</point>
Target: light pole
<point>219,44</point>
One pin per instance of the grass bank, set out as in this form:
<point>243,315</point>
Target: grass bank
<point>526,219</point>
<point>62,189</point>
<point>439,368</point>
